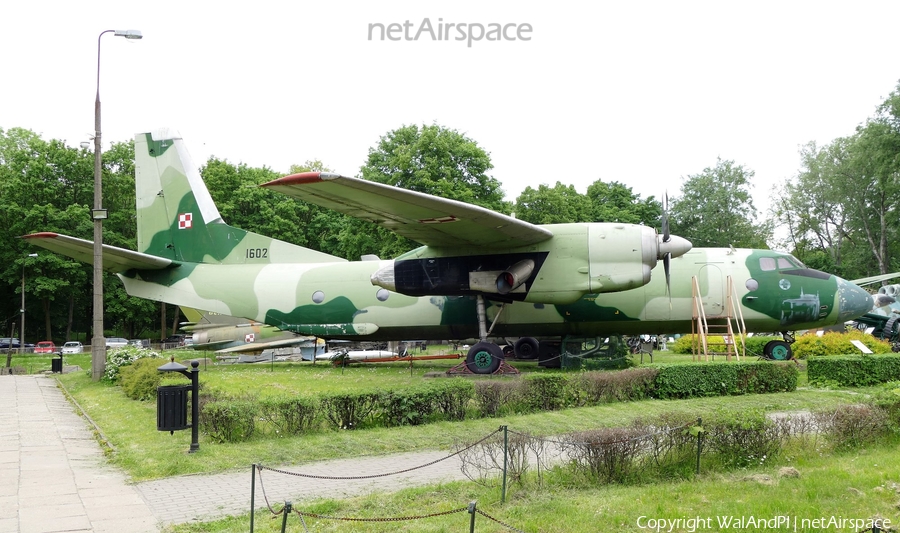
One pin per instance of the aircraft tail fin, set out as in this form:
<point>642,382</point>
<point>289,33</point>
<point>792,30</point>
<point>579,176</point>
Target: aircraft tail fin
<point>178,220</point>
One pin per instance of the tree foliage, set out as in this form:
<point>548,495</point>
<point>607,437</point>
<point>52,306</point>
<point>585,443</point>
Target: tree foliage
<point>715,208</point>
<point>841,210</point>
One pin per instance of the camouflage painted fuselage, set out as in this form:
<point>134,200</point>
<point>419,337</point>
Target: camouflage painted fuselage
<point>223,269</point>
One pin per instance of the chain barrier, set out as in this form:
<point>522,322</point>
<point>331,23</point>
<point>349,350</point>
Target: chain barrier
<point>388,519</point>
<point>265,496</point>
<point>374,476</point>
<point>622,441</point>
<point>504,524</point>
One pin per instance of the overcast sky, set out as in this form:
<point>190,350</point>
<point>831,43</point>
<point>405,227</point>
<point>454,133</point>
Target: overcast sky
<point>644,93</point>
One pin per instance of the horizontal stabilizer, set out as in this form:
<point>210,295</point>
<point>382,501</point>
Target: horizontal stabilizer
<point>114,259</point>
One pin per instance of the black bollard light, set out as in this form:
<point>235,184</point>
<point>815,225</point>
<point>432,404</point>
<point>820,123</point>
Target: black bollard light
<point>171,402</point>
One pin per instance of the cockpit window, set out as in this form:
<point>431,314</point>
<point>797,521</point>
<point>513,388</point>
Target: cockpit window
<point>784,263</point>
<point>767,263</point>
<point>797,262</point>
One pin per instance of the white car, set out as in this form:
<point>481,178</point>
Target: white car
<point>116,342</point>
<point>72,347</point>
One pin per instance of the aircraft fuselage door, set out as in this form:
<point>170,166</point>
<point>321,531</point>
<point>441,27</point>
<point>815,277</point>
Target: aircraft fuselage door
<point>712,290</point>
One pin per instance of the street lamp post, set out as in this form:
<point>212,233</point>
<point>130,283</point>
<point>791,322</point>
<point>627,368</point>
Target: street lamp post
<point>98,341</point>
<point>22,310</point>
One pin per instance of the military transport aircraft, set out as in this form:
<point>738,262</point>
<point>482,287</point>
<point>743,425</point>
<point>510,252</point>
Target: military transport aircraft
<point>479,274</point>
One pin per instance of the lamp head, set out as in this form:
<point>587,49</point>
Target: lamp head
<point>129,34</point>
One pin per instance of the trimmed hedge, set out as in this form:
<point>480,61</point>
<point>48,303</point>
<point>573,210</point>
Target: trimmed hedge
<point>692,380</point>
<point>234,419</point>
<point>854,370</point>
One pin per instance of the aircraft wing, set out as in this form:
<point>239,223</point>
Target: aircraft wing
<point>114,259</point>
<point>875,279</point>
<point>424,218</point>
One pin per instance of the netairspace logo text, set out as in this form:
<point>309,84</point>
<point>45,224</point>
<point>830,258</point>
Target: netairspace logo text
<point>450,31</point>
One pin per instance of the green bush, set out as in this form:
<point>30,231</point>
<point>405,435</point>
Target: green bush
<point>836,343</point>
<point>744,438</point>
<point>593,388</point>
<point>854,370</point>
<point>452,398</point>
<point>888,399</point>
<point>691,380</point>
<point>544,392</point>
<point>229,420</point>
<point>290,415</point>
<point>493,396</point>
<point>408,407</point>
<point>852,426</point>
<point>350,410</point>
<point>754,345</point>
<point>140,378</point>
<point>119,357</point>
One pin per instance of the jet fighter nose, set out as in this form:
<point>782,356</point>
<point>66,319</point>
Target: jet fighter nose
<point>677,246</point>
<point>853,301</point>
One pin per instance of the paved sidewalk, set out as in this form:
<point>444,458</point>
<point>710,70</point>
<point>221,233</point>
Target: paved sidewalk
<point>53,476</point>
<point>201,497</point>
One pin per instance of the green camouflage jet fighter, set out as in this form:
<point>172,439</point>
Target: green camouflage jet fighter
<point>478,275</point>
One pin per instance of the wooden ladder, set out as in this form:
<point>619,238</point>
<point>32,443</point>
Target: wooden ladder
<point>734,323</point>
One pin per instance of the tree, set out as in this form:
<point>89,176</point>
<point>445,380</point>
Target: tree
<point>615,202</point>
<point>433,160</point>
<point>841,210</point>
<point>715,209</point>
<point>553,205</point>
<point>437,161</point>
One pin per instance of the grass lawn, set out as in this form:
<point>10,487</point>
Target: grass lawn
<point>146,453</point>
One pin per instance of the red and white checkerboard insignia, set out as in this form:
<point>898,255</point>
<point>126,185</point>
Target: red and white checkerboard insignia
<point>250,337</point>
<point>439,220</point>
<point>184,221</point>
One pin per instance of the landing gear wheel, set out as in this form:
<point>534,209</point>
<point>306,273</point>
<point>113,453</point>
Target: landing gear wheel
<point>508,350</point>
<point>484,358</point>
<point>887,333</point>
<point>778,351</point>
<point>527,348</point>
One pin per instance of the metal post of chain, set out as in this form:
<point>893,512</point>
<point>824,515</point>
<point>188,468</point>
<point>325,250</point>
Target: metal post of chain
<point>286,511</point>
<point>472,512</point>
<point>699,441</point>
<point>252,495</point>
<point>505,455</point>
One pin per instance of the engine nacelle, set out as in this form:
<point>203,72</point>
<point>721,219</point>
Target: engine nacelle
<point>511,278</point>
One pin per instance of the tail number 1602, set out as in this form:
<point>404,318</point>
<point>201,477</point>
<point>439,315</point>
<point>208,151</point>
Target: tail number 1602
<point>257,253</point>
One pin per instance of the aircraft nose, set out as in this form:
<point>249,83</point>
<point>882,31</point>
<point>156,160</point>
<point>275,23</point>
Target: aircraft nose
<point>853,301</point>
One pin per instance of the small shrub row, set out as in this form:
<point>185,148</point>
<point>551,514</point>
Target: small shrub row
<point>692,380</point>
<point>854,370</point>
<point>836,343</point>
<point>684,344</point>
<point>669,446</point>
<point>234,419</point>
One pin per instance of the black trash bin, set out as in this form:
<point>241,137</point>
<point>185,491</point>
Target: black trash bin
<point>171,407</point>
<point>56,365</point>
